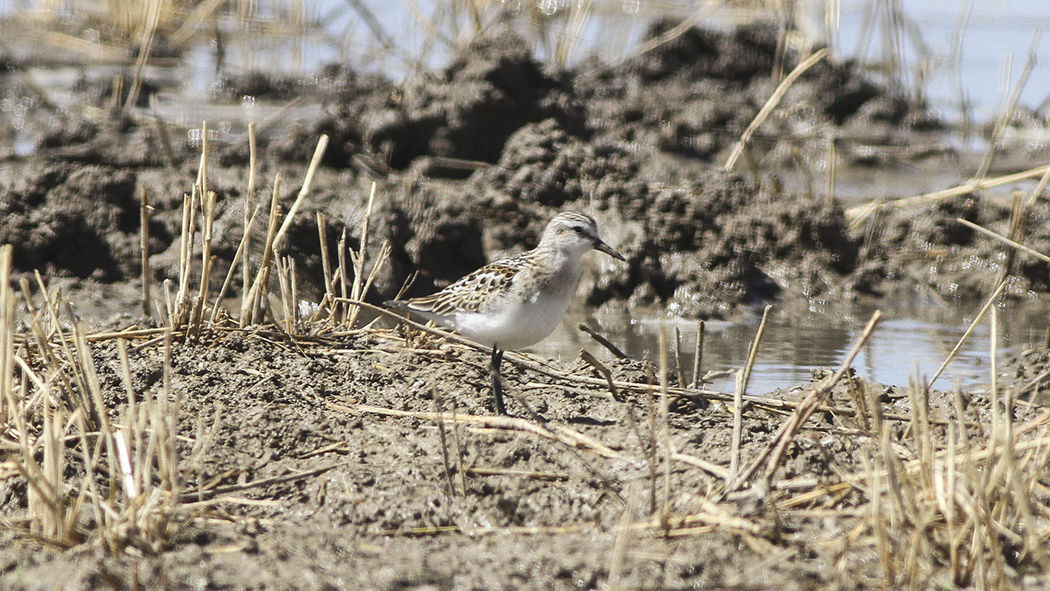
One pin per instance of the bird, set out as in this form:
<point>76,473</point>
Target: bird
<point>515,302</point>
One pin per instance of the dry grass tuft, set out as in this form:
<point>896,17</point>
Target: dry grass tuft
<point>111,472</point>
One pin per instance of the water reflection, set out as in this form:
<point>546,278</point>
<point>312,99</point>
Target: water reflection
<point>907,341</point>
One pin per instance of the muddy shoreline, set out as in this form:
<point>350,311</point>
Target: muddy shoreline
<point>314,458</point>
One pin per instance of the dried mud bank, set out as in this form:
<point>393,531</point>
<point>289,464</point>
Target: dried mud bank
<point>312,462</point>
<point>318,463</point>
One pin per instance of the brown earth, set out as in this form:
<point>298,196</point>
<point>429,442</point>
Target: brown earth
<point>470,162</point>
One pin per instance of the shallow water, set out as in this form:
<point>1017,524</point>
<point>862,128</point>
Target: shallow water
<point>907,342</point>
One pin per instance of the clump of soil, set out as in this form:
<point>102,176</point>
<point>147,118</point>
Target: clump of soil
<point>77,220</point>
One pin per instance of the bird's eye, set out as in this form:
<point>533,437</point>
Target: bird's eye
<point>578,230</point>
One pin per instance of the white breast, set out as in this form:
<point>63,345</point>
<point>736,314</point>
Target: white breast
<point>516,325</point>
<point>529,311</point>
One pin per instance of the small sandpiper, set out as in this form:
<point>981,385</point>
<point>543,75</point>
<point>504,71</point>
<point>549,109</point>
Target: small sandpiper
<point>516,302</point>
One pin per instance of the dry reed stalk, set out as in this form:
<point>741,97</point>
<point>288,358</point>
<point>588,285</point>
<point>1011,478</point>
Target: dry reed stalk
<point>619,548</point>
<point>742,379</point>
<point>674,32</point>
<point>753,351</point>
<point>922,436</point>
<point>169,306</point>
<point>281,264</point>
<point>859,212</point>
<point>456,427</point>
<point>698,354</point>
<point>326,264</point>
<point>358,258</point>
<point>197,21</point>
<point>377,267</point>
<point>153,8</point>
<point>450,489</point>
<point>1017,216</point>
<point>250,210</point>
<point>579,13</point>
<point>197,317</point>
<point>178,313</point>
<point>258,292</point>
<point>616,351</point>
<point>147,276</point>
<point>569,437</point>
<point>679,368</point>
<point>134,421</point>
<point>315,161</point>
<point>771,104</point>
<point>344,282</point>
<point>1009,242</point>
<point>962,340</point>
<point>738,427</point>
<point>242,248</point>
<point>7,335</point>
<point>665,434</point>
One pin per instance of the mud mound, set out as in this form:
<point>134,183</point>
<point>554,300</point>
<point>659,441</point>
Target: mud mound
<point>74,220</point>
<point>935,255</point>
<point>469,109</point>
<point>695,92</point>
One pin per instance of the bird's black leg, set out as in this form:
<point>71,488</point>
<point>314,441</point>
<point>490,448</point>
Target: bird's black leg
<point>497,381</point>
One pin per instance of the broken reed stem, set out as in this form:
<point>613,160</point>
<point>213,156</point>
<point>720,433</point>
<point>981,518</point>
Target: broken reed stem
<point>775,451</point>
<point>177,311</point>
<point>962,340</point>
<point>326,263</point>
<point>149,31</point>
<point>1038,190</point>
<point>8,406</point>
<point>742,379</point>
<point>738,426</point>
<point>770,105</point>
<point>855,214</point>
<point>1005,240</point>
<point>358,259</point>
<point>242,248</point>
<point>258,289</point>
<point>208,202</point>
<point>344,282</point>
<point>698,355</point>
<point>753,352</point>
<point>249,214</point>
<point>601,340</point>
<point>322,144</point>
<point>619,549</point>
<point>147,276</point>
<point>665,420</point>
<point>436,395</point>
<point>281,265</point>
<point>678,356</point>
